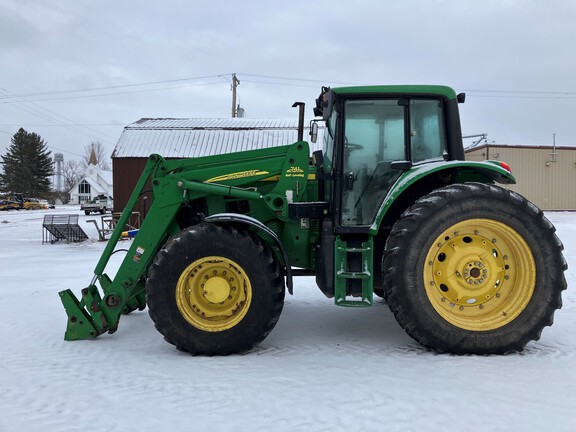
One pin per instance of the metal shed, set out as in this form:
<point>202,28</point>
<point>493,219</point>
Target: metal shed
<point>546,175</point>
<point>182,138</point>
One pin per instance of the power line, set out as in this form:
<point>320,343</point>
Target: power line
<point>303,79</point>
<point>536,92</point>
<point>66,151</point>
<point>49,115</point>
<point>39,96</point>
<point>279,83</point>
<point>504,96</point>
<point>57,125</point>
<point>499,93</point>
<point>50,146</point>
<point>45,93</point>
<point>112,94</point>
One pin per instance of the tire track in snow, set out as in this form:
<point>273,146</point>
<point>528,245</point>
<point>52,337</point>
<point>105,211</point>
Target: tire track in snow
<point>336,349</point>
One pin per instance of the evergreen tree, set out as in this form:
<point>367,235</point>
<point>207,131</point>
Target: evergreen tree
<point>27,165</point>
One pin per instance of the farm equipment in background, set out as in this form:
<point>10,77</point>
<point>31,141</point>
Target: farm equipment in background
<point>17,201</point>
<point>35,204</point>
<point>12,201</point>
<point>9,204</point>
<point>389,207</point>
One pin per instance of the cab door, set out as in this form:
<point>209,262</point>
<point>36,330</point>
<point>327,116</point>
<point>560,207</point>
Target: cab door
<point>373,137</point>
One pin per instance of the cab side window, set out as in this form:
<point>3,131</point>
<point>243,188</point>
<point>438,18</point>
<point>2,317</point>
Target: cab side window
<point>427,139</point>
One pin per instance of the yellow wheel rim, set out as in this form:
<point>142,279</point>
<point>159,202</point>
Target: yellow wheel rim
<point>213,294</point>
<point>479,274</point>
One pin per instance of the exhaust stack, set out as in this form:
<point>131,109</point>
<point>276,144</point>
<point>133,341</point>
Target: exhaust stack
<point>301,106</point>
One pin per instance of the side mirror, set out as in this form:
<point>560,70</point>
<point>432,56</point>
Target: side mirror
<point>313,131</point>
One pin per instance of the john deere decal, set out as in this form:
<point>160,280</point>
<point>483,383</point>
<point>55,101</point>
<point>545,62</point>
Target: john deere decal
<point>295,172</point>
<point>236,175</point>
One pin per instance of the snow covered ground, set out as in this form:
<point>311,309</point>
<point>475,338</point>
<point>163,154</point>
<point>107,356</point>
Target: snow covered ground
<point>323,368</point>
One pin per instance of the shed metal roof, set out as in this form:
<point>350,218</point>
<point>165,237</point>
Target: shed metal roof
<point>175,138</point>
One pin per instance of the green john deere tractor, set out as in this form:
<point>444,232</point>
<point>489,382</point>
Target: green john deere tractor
<point>389,207</point>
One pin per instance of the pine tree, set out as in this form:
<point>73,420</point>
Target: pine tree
<point>27,165</point>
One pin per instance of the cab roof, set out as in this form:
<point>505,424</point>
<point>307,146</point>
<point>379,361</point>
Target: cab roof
<point>445,91</point>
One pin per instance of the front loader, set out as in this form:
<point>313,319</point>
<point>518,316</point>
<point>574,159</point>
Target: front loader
<point>388,207</point>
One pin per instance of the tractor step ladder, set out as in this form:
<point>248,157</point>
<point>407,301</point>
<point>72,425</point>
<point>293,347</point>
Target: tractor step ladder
<point>343,274</point>
<point>62,227</point>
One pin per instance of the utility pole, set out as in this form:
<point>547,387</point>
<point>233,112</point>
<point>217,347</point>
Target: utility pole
<point>235,83</point>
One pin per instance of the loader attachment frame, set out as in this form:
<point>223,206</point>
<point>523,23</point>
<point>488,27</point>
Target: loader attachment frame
<point>88,317</point>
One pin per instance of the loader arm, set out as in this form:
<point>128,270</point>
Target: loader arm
<point>174,184</point>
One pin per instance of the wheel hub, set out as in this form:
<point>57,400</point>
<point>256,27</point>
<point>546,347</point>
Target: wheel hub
<point>475,273</point>
<point>213,293</point>
<point>467,269</point>
<point>472,274</point>
<point>216,289</point>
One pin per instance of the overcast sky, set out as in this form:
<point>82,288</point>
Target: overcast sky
<point>77,71</point>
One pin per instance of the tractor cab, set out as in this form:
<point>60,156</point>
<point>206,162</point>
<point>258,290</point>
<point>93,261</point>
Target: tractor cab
<point>374,134</point>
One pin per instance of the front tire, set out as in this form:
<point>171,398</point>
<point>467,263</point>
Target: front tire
<point>474,268</point>
<point>215,290</point>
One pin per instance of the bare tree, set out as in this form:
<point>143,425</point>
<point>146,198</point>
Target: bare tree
<point>72,172</point>
<point>95,153</point>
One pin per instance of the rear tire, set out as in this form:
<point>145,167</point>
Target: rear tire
<point>215,290</point>
<point>474,268</point>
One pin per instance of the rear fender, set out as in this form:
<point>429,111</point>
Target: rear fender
<point>450,172</point>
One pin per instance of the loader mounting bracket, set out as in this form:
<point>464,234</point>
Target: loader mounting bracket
<point>80,324</point>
